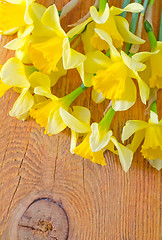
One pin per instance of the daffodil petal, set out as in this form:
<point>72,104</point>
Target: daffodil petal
<point>22,105</point>
<point>131,127</point>
<point>15,44</point>
<point>43,91</point>
<point>54,76</point>
<point>97,97</point>
<point>132,7</point>
<point>105,36</point>
<point>99,17</point>
<point>73,123</point>
<point>128,98</point>
<point>157,163</point>
<point>153,118</point>
<point>71,58</point>
<point>55,123</point>
<point>137,139</point>
<point>36,12</point>
<point>125,154</point>
<point>81,113</point>
<point>98,140</point>
<point>3,88</point>
<point>143,56</point>
<point>80,70</point>
<point>96,61</point>
<point>51,19</point>
<point>123,28</point>
<point>38,79</point>
<point>79,28</point>
<point>131,63</point>
<point>74,138</point>
<point>13,74</point>
<point>143,88</point>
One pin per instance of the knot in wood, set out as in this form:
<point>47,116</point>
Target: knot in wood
<point>44,219</point>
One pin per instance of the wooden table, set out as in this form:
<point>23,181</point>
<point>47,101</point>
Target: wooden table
<point>47,193</point>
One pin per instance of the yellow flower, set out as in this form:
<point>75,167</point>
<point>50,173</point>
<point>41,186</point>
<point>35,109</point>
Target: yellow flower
<point>99,139</point>
<point>52,44</point>
<point>13,15</point>
<point>54,114</point>
<point>109,21</point>
<point>115,76</point>
<point>153,74</point>
<point>23,79</point>
<point>151,132</point>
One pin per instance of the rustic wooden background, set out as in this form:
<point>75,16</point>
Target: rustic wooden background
<point>47,193</point>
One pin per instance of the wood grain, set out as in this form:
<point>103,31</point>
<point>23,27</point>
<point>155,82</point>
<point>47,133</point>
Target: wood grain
<point>101,203</point>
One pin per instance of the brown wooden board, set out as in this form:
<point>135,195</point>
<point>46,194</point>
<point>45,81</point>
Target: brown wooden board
<point>48,193</point>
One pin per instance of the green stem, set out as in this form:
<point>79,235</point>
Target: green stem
<point>73,95</point>
<point>160,30</point>
<point>133,26</point>
<point>152,38</point>
<point>125,3</point>
<point>107,119</point>
<point>102,5</point>
<point>151,2</point>
<point>153,107</point>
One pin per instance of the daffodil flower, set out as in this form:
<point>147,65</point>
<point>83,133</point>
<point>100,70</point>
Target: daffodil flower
<point>151,133</point>
<point>114,75</point>
<point>46,50</point>
<point>54,113</point>
<point>14,15</point>
<point>109,21</point>
<point>23,79</point>
<point>99,139</point>
<point>153,74</point>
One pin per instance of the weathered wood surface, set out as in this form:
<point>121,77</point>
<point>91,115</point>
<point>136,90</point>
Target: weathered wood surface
<point>46,193</point>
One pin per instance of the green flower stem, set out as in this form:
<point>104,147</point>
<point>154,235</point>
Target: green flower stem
<point>153,107</point>
<point>125,3</point>
<point>152,39</point>
<point>151,2</point>
<point>160,30</point>
<point>102,5</point>
<point>107,119</point>
<point>73,95</point>
<point>133,26</point>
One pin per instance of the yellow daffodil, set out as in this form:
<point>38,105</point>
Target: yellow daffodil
<point>99,139</point>
<point>54,113</point>
<point>114,75</point>
<point>153,74</point>
<point>151,132</point>
<point>46,50</point>
<point>23,79</point>
<point>109,21</point>
<point>14,15</point>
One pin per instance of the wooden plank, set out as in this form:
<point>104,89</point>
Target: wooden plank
<point>92,202</point>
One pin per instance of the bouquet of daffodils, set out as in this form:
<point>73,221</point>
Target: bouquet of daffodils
<point>110,65</point>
